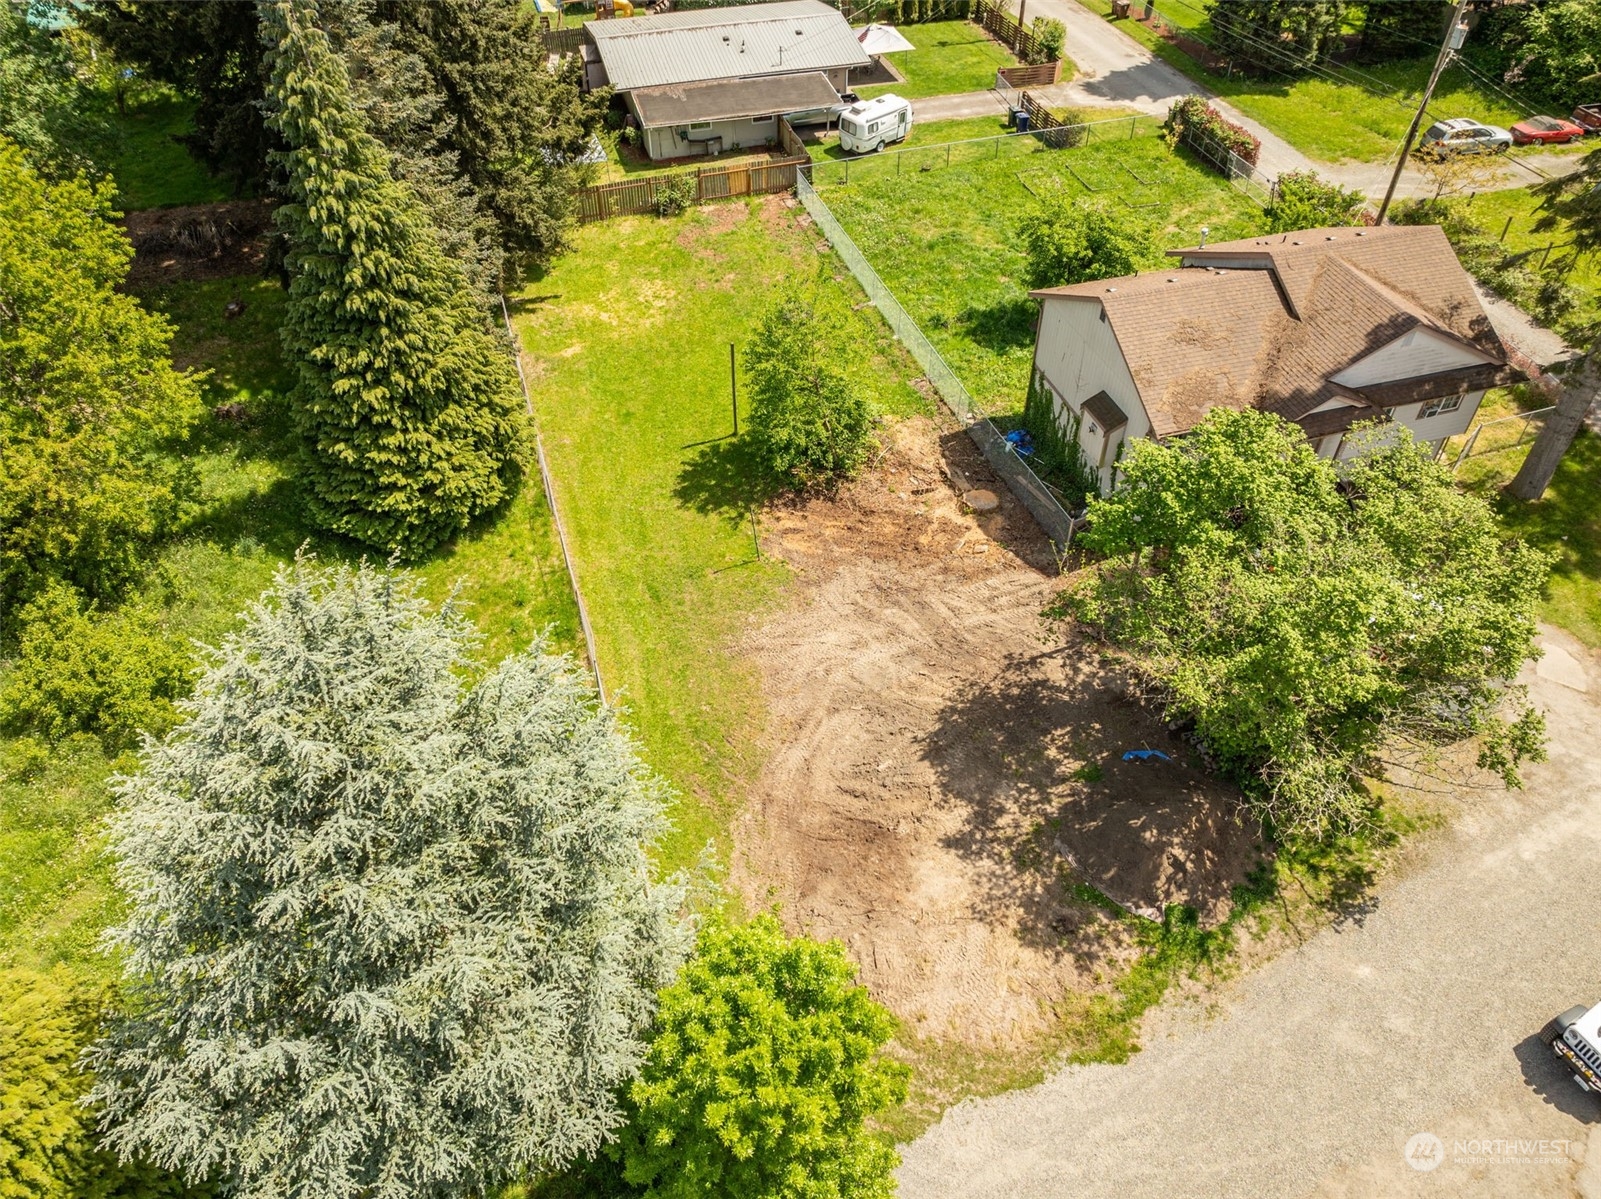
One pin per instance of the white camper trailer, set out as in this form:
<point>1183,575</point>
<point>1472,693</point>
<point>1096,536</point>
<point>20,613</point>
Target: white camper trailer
<point>874,124</point>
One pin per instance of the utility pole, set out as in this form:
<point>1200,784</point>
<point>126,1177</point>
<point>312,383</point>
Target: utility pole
<point>1455,34</point>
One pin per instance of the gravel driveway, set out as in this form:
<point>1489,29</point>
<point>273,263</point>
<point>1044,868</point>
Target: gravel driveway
<point>1311,1074</point>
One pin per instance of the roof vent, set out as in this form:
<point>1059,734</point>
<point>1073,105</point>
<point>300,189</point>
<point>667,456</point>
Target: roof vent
<point>1172,280</point>
<point>725,39</point>
<point>1328,239</point>
<point>1295,243</point>
<point>1111,289</point>
<point>798,33</point>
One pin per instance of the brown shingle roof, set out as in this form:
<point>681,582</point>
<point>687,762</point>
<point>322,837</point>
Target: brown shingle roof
<point>1267,322</point>
<point>1104,409</point>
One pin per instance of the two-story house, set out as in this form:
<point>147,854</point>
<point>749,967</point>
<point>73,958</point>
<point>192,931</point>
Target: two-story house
<point>1325,327</point>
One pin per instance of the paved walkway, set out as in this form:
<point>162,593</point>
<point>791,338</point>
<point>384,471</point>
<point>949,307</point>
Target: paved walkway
<point>1418,1017</point>
<point>957,106</point>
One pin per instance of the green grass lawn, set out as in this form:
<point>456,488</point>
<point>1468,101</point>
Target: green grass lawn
<point>1321,117</point>
<point>153,170</point>
<point>1565,523</point>
<point>944,240</point>
<point>949,57</point>
<point>1493,211</point>
<point>631,334</point>
<point>55,889</point>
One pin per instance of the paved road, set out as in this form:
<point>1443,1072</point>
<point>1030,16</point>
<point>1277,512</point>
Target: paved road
<point>958,105</point>
<point>1321,1065</point>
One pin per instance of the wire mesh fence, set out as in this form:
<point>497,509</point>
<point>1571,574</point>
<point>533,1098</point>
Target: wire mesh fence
<point>1493,436</point>
<point>1030,490</point>
<point>916,160</point>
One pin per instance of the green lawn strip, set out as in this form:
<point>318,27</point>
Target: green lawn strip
<point>630,334</point>
<point>1493,210</point>
<point>1302,888</point>
<point>55,888</point>
<point>944,241</point>
<point>990,136</point>
<point>1565,523</point>
<point>949,57</point>
<point>1329,120</point>
<point>151,169</point>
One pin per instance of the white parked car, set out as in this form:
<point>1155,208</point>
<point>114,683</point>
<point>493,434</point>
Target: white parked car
<point>874,124</point>
<point>1575,1037</point>
<point>1460,135</point>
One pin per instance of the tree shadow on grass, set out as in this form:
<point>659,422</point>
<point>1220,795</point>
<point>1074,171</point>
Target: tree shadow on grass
<point>725,479</point>
<point>1001,326</point>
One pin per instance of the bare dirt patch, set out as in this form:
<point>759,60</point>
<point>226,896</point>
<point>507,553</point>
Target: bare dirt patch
<point>941,771</point>
<point>198,241</point>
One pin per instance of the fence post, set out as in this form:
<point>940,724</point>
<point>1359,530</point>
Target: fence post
<point>1505,229</point>
<point>1131,123</point>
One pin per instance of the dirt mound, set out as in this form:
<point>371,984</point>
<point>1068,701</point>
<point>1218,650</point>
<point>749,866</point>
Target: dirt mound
<point>941,772</point>
<point>198,241</point>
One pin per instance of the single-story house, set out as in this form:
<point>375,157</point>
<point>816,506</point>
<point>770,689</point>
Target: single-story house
<point>715,79</point>
<point>1325,327</point>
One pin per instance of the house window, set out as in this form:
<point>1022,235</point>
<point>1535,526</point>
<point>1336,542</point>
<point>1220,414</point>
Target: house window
<point>1448,404</point>
<point>700,124</point>
<point>761,120</point>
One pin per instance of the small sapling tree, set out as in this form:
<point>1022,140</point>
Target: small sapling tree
<point>1076,242</point>
<point>809,419</point>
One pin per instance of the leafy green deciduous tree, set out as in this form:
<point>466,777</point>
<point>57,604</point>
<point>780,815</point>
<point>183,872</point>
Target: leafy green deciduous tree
<point>1301,200</point>
<point>1307,619</point>
<point>1554,50</point>
<point>1285,36</point>
<point>1083,240</point>
<point>88,397</point>
<point>764,1065</point>
<point>44,107</point>
<point>392,933</point>
<point>114,675</point>
<point>407,403</point>
<point>809,420</point>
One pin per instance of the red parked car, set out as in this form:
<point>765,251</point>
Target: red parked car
<point>1546,129</point>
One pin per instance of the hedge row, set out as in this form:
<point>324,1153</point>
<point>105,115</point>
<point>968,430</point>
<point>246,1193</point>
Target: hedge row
<point>1193,115</point>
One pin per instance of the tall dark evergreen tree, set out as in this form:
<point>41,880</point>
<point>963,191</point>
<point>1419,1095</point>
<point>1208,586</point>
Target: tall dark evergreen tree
<point>1276,35</point>
<point>407,402</point>
<point>1399,29</point>
<point>519,128</point>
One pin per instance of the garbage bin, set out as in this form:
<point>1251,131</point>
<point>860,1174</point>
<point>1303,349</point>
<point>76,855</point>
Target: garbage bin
<point>1022,121</point>
<point>1120,8</point>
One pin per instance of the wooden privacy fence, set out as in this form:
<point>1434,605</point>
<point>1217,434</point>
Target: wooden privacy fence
<point>563,41</point>
<point>633,196</point>
<point>1041,76</point>
<point>1003,26</point>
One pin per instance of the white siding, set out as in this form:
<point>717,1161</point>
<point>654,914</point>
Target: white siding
<point>1078,355</point>
<point>1420,352</point>
<point>1433,429</point>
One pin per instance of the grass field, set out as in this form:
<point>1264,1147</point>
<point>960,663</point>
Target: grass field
<point>950,57</point>
<point>55,892</point>
<point>631,335</point>
<point>1493,211</point>
<point>151,168</point>
<point>944,240</point>
<point>1329,119</point>
<point>1566,523</point>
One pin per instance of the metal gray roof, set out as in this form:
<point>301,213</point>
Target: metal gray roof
<point>727,99</point>
<point>725,43</point>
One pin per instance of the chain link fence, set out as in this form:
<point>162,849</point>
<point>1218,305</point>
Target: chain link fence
<point>1035,495</point>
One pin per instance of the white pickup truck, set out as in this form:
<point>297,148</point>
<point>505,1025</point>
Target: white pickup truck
<point>1575,1037</point>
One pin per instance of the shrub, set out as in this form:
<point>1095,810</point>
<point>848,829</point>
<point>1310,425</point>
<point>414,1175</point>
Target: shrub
<point>809,420</point>
<point>674,194</point>
<point>764,1065</point>
<point>1302,200</point>
<point>1083,240</point>
<point>1193,117</point>
<point>47,1142</point>
<point>1058,458</point>
<point>78,670</point>
<point>1049,37</point>
<point>89,399</point>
